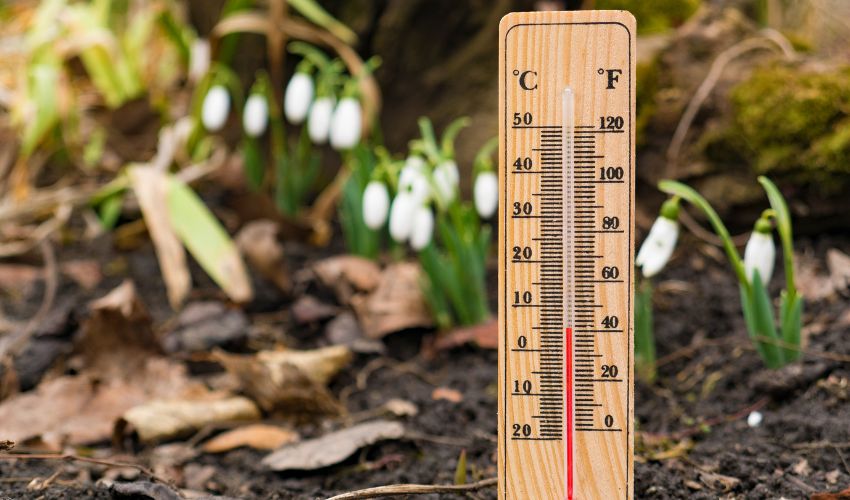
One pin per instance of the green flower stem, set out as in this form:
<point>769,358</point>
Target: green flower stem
<point>690,195</point>
<point>783,227</point>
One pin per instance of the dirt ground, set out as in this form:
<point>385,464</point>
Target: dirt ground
<point>694,441</point>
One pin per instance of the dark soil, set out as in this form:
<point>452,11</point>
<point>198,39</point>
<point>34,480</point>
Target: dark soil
<point>694,440</point>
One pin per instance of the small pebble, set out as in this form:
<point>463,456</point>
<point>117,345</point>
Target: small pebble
<point>754,419</point>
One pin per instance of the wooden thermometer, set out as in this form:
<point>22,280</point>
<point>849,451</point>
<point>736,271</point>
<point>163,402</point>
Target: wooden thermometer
<point>566,400</point>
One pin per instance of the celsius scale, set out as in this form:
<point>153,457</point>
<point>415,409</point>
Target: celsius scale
<point>567,117</point>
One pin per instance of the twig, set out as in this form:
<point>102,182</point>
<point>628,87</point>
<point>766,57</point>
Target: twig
<point>415,489</point>
<point>97,461</point>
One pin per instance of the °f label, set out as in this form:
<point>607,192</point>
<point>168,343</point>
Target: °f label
<point>567,115</point>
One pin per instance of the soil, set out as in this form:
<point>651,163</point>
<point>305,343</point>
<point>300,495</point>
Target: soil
<point>694,441</point>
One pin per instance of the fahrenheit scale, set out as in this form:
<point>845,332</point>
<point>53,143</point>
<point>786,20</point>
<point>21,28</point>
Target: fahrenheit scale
<point>567,99</point>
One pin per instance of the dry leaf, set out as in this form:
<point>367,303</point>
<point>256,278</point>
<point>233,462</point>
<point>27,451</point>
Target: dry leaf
<point>720,482</point>
<point>838,263</point>
<point>401,408</point>
<point>160,420</point>
<point>447,394</point>
<point>82,409</point>
<point>308,309</point>
<point>6,445</point>
<point>289,380</point>
<point>151,188</point>
<point>332,448</point>
<point>484,335</point>
<point>396,304</point>
<point>841,495</point>
<point>802,468</point>
<point>258,242</point>
<point>257,436</point>
<point>348,275</point>
<point>85,272</point>
<point>203,325</point>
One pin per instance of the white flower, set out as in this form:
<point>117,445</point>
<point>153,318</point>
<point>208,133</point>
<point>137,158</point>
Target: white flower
<point>401,216</point>
<point>318,126</point>
<point>255,117</point>
<point>486,194</point>
<point>423,228</point>
<point>658,246</point>
<point>413,179</point>
<point>754,419</point>
<point>446,180</point>
<point>298,97</point>
<point>199,59</point>
<point>759,255</point>
<point>347,124</point>
<point>215,109</point>
<point>376,204</point>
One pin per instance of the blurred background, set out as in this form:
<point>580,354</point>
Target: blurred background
<point>246,246</point>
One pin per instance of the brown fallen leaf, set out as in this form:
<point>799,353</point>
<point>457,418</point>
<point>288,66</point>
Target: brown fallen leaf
<point>203,325</point>
<point>257,436</point>
<point>348,275</point>
<point>401,408</point>
<point>85,272</point>
<point>838,263</point>
<point>447,394</point>
<point>396,304</point>
<point>717,481</point>
<point>484,335</point>
<point>289,380</point>
<point>160,420</point>
<point>6,445</point>
<point>151,188</point>
<point>81,409</point>
<point>308,309</point>
<point>258,241</point>
<point>841,495</point>
<point>332,448</point>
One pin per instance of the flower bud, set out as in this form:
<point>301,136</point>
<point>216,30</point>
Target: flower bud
<point>347,124</point>
<point>199,59</point>
<point>318,126</point>
<point>658,246</point>
<point>423,228</point>
<point>486,194</point>
<point>413,179</point>
<point>216,108</point>
<point>376,204</point>
<point>446,180</point>
<point>255,117</point>
<point>298,97</point>
<point>401,216</point>
<point>760,253</point>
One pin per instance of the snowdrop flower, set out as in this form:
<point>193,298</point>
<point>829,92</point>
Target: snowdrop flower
<point>661,240</point>
<point>486,194</point>
<point>760,253</point>
<point>255,117</point>
<point>423,228</point>
<point>401,216</point>
<point>215,109</point>
<point>199,59</point>
<point>376,204</point>
<point>754,419</point>
<point>298,97</point>
<point>413,178</point>
<point>319,124</point>
<point>446,180</point>
<point>347,124</point>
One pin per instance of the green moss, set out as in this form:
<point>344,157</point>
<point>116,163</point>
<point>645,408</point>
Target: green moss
<point>656,16</point>
<point>790,124</point>
<point>648,84</point>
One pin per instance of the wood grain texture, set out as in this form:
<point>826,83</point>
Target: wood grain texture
<point>565,267</point>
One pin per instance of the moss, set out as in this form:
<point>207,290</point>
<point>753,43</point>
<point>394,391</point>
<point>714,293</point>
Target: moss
<point>656,16</point>
<point>648,83</point>
<point>790,123</point>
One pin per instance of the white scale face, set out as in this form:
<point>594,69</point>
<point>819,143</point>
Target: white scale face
<point>567,99</point>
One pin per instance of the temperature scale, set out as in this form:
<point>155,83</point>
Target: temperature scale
<point>567,116</point>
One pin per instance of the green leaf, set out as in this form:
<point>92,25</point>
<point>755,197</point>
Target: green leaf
<point>690,195</point>
<point>318,15</point>
<point>790,322</point>
<point>460,470</point>
<point>761,324</point>
<point>109,210</point>
<point>644,335</point>
<point>253,162</point>
<point>783,227</point>
<point>207,241</point>
<point>43,84</point>
<point>450,134</point>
